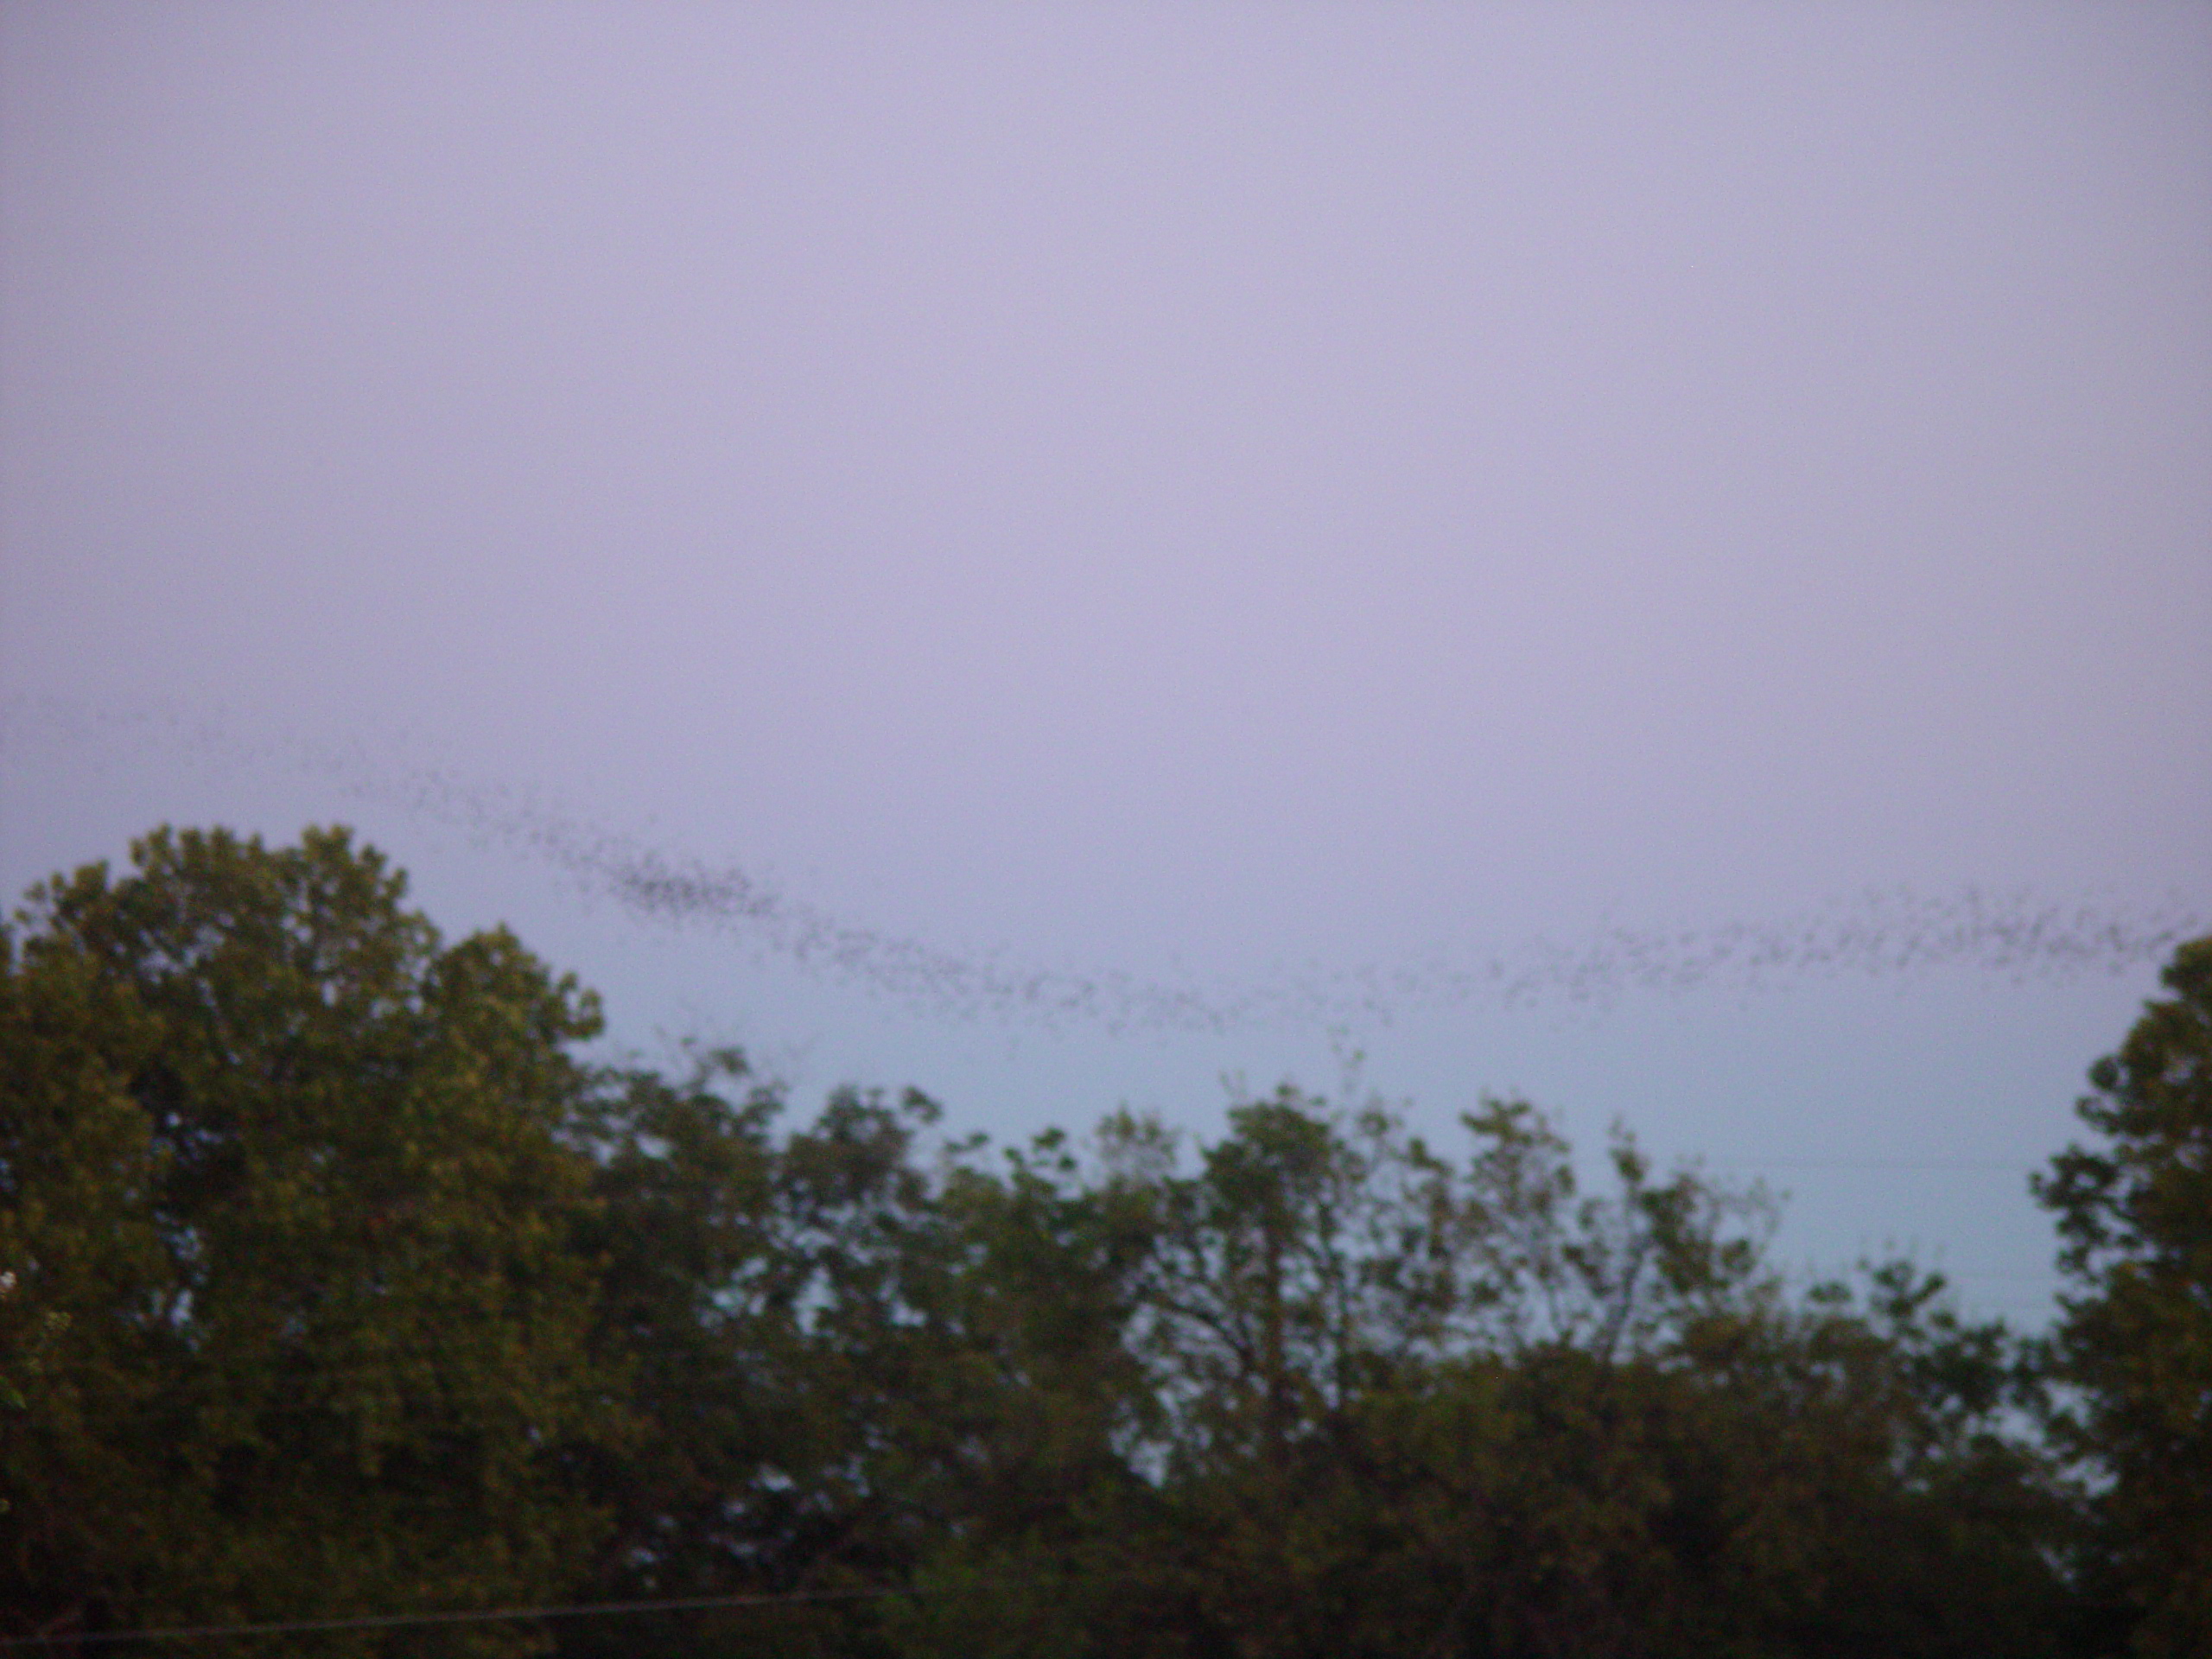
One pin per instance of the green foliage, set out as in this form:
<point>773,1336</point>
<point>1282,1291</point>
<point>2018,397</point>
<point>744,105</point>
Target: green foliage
<point>1321,1391</point>
<point>2135,1218</point>
<point>1416,1407</point>
<point>332,1282</point>
<point>294,1309</point>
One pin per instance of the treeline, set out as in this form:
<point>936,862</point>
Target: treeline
<point>335,1285</point>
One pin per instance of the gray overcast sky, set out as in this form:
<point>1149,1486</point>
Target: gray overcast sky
<point>1293,505</point>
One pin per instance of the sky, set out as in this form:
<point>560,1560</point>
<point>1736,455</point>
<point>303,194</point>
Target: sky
<point>1656,557</point>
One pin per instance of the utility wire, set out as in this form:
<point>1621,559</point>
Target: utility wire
<point>394,1621</point>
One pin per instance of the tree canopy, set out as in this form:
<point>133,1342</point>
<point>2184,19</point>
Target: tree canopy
<point>294,1306</point>
<point>2134,1349</point>
<point>335,1281</point>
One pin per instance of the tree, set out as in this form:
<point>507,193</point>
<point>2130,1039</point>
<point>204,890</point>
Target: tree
<point>2134,1214</point>
<point>333,1283</point>
<point>287,1226</point>
<point>1409,1406</point>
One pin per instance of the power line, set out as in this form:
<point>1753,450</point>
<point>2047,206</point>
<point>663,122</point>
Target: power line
<point>498,1614</point>
<point>1949,1166</point>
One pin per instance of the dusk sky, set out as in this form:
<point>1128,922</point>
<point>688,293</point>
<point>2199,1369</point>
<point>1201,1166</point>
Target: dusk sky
<point>1657,557</point>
